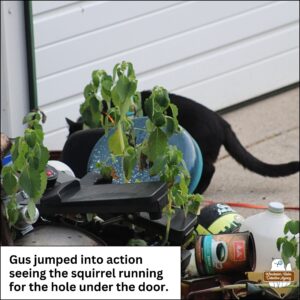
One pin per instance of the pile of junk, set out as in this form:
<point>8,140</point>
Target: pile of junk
<point>223,256</point>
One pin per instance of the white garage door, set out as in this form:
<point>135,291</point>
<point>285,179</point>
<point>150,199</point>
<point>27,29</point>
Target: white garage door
<point>218,53</point>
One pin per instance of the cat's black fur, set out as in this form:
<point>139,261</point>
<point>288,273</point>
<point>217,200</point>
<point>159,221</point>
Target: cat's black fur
<point>211,131</point>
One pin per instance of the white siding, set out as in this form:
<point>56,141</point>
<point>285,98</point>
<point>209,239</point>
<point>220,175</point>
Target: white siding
<point>14,83</point>
<point>216,52</point>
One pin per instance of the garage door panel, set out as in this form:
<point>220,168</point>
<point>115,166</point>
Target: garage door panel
<point>219,53</point>
<point>151,28</point>
<point>156,55</point>
<point>55,140</point>
<point>249,82</point>
<point>201,91</point>
<point>40,7</point>
<point>87,16</point>
<point>215,63</point>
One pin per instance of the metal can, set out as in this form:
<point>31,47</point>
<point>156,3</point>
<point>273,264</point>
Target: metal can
<point>218,218</point>
<point>224,253</point>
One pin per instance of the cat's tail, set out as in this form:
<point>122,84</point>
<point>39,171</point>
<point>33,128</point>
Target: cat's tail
<point>247,160</point>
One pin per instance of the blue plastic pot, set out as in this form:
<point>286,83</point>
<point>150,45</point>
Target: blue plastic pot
<point>183,140</point>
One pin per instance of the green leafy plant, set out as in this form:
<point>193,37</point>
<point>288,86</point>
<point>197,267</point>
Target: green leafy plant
<point>167,160</point>
<point>110,102</point>
<point>136,242</point>
<point>27,171</point>
<point>289,245</point>
<point>109,98</point>
<point>107,172</point>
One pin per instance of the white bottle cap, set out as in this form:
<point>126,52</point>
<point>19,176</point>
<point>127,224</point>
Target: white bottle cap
<point>276,207</point>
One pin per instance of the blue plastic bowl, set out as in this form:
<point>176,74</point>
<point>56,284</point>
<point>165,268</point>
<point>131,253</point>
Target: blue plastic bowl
<point>183,140</point>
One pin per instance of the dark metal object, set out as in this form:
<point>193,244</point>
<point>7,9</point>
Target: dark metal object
<point>225,253</point>
<point>181,226</point>
<point>218,218</point>
<point>52,175</point>
<point>71,195</point>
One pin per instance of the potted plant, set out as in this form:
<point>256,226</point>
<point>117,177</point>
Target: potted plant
<point>26,173</point>
<point>111,102</point>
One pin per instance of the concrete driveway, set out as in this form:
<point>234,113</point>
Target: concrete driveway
<point>270,130</point>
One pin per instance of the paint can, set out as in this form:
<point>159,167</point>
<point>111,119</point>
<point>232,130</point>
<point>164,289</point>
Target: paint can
<point>218,218</point>
<point>225,253</point>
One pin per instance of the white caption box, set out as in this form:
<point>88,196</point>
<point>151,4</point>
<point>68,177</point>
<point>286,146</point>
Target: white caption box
<point>90,272</point>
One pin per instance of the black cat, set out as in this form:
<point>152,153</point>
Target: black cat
<point>211,132</point>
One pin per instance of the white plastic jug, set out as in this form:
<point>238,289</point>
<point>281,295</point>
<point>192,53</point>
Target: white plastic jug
<point>266,227</point>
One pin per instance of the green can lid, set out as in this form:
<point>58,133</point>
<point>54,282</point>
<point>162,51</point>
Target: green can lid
<point>276,207</point>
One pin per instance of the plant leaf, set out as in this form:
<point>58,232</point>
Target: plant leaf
<point>178,197</point>
<point>285,259</point>
<point>157,144</point>
<point>287,249</point>
<point>286,227</point>
<point>29,117</point>
<point>34,162</point>
<point>20,155</point>
<point>129,162</point>
<point>86,114</point>
<point>30,182</point>
<point>12,211</point>
<point>149,125</point>
<point>159,119</point>
<point>130,71</point>
<point>171,126</point>
<point>39,133</point>
<point>136,242</point>
<point>194,203</point>
<point>10,182</point>
<point>95,112</point>
<point>279,242</point>
<point>95,78</point>
<point>158,165</point>
<point>44,158</point>
<point>149,107</point>
<point>15,149</point>
<point>31,209</point>
<point>37,152</point>
<point>106,84</point>
<point>183,184</point>
<point>123,90</point>
<point>174,110</point>
<point>115,142</point>
<point>88,91</point>
<point>43,185</point>
<point>294,226</point>
<point>115,69</point>
<point>30,137</point>
<point>162,98</point>
<point>5,170</point>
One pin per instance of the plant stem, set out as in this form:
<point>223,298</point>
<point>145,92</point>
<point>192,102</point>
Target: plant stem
<point>122,166</point>
<point>186,209</point>
<point>122,145</point>
<point>120,133</point>
<point>167,230</point>
<point>169,218</point>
